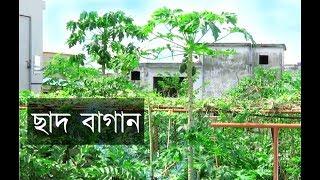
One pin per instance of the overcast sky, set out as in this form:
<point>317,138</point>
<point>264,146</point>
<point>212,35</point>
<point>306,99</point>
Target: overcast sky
<point>269,21</point>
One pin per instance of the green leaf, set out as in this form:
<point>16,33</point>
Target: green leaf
<point>204,28</point>
<point>83,15</point>
<point>231,17</point>
<point>183,67</point>
<point>121,35</point>
<point>161,14</point>
<point>245,33</point>
<point>210,16</point>
<point>215,30</point>
<point>169,47</point>
<point>71,25</point>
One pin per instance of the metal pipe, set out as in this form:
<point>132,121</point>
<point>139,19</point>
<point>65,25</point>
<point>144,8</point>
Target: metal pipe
<point>275,132</point>
<point>275,153</point>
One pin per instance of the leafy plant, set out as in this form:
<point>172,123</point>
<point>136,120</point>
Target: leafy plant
<point>172,85</point>
<point>103,38</point>
<point>25,95</point>
<point>183,34</point>
<point>76,80</point>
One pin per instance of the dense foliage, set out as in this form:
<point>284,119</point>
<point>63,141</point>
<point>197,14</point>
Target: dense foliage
<point>218,153</point>
<point>62,75</point>
<point>226,153</point>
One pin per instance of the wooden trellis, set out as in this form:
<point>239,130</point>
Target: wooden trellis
<point>275,127</point>
<point>275,131</point>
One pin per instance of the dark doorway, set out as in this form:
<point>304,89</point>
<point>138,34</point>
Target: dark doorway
<point>171,89</point>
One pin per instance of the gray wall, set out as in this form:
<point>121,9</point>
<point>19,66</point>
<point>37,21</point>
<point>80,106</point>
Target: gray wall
<point>223,73</point>
<point>217,75</point>
<point>276,56</point>
<point>24,52</point>
<point>32,10</point>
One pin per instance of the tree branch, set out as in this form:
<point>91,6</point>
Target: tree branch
<point>202,36</point>
<point>168,40</point>
<point>167,168</point>
<point>178,50</point>
<point>163,57</point>
<point>222,37</point>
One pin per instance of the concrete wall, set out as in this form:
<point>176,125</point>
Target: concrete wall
<point>275,55</point>
<point>223,73</point>
<point>217,75</point>
<point>33,9</point>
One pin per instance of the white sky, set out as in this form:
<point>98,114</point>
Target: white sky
<point>269,21</point>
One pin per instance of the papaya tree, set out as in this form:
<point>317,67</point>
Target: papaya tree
<point>108,39</point>
<point>184,34</point>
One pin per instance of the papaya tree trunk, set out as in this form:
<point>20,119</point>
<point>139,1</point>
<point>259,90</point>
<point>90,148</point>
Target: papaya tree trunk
<point>168,143</point>
<point>190,112</point>
<point>174,134</point>
<point>103,69</point>
<point>168,133</point>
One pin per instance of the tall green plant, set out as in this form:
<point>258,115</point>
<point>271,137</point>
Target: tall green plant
<point>184,33</point>
<point>104,37</point>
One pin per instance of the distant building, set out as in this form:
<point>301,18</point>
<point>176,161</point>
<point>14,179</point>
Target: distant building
<point>48,55</point>
<point>216,75</point>
<point>292,67</point>
<point>30,44</point>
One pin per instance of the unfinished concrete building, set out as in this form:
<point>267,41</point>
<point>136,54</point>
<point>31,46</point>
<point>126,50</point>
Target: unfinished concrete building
<point>216,75</point>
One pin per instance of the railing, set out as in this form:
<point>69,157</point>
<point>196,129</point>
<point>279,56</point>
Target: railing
<point>275,127</point>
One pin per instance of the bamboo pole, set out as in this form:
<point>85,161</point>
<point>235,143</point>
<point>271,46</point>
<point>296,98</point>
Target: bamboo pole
<point>151,142</point>
<point>168,143</point>
<point>155,140</point>
<point>168,133</point>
